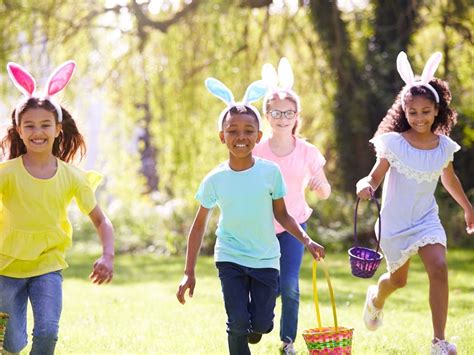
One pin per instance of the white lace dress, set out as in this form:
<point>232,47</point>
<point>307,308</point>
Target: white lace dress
<point>409,211</point>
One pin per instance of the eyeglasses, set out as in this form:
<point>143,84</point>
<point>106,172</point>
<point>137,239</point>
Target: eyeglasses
<point>277,114</point>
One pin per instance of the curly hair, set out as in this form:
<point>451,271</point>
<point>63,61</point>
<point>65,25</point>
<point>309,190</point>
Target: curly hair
<point>396,121</point>
<point>240,110</point>
<point>66,146</point>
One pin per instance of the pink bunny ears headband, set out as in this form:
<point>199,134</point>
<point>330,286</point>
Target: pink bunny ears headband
<point>406,73</point>
<point>254,92</point>
<point>279,82</point>
<point>25,82</point>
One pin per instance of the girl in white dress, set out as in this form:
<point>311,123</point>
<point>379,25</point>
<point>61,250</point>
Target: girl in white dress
<point>413,150</point>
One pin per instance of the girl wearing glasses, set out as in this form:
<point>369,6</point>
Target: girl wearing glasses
<point>302,166</point>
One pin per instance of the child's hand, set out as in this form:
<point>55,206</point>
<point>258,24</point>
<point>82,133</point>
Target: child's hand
<point>314,183</point>
<point>321,187</point>
<point>364,190</point>
<point>469,217</point>
<point>188,281</point>
<point>103,270</point>
<point>316,250</point>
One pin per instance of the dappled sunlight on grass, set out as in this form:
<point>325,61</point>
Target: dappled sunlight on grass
<point>138,268</point>
<point>138,313</point>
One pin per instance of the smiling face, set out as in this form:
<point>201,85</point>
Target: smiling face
<point>38,130</point>
<point>282,115</point>
<point>240,134</point>
<point>420,113</point>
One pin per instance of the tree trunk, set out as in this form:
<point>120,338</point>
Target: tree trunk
<point>349,109</point>
<point>146,147</point>
<point>391,35</point>
<point>148,151</point>
<point>365,90</point>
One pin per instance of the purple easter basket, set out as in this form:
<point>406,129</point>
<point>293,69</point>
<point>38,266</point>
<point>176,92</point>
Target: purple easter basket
<point>364,261</point>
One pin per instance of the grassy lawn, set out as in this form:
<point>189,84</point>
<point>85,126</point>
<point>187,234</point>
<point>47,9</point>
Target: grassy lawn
<point>139,314</point>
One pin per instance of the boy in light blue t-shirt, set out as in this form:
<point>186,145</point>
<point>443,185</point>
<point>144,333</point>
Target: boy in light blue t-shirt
<point>249,193</point>
<point>244,232</point>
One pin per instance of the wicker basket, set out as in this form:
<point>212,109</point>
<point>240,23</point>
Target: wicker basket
<point>327,340</point>
<point>3,326</point>
<point>364,261</point>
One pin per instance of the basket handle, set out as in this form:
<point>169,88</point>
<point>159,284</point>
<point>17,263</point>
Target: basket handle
<point>315,294</point>
<point>373,199</point>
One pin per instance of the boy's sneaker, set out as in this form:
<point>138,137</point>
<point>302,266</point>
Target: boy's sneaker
<point>254,338</point>
<point>442,347</point>
<point>287,348</point>
<point>373,316</point>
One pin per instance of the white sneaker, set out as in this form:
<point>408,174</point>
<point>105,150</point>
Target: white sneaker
<point>442,347</point>
<point>287,348</point>
<point>373,316</point>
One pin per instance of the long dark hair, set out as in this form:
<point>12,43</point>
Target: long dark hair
<point>396,121</point>
<point>67,144</point>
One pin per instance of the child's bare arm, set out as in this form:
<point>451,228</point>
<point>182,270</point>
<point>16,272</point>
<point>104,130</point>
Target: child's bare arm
<point>104,266</point>
<point>195,237</point>
<point>288,222</point>
<point>320,184</point>
<point>452,184</point>
<point>367,185</point>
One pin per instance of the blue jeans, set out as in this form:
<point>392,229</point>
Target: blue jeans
<point>249,298</point>
<point>45,295</point>
<point>290,263</point>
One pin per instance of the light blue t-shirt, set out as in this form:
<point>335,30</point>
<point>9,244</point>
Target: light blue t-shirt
<point>245,232</point>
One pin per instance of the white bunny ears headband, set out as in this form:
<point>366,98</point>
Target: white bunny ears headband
<point>25,82</point>
<point>281,82</point>
<point>254,92</point>
<point>406,73</point>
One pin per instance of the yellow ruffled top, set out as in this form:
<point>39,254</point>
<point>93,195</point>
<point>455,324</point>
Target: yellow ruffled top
<point>34,228</point>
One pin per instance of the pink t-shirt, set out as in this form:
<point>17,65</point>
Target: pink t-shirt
<point>297,168</point>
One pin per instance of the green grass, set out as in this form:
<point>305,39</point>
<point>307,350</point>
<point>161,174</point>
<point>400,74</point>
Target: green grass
<point>139,314</point>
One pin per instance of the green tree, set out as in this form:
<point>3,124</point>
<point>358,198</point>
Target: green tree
<point>367,80</point>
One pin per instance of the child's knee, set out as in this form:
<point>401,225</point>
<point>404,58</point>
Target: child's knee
<point>46,330</point>
<point>290,291</point>
<point>262,325</point>
<point>13,346</point>
<point>15,340</point>
<point>438,270</point>
<point>11,351</point>
<point>45,337</point>
<point>238,326</point>
<point>398,282</point>
<point>262,328</point>
<point>44,345</point>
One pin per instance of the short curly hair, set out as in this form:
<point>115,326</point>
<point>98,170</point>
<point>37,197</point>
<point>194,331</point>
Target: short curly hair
<point>241,110</point>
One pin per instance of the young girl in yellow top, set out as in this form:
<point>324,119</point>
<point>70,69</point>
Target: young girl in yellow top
<point>37,184</point>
